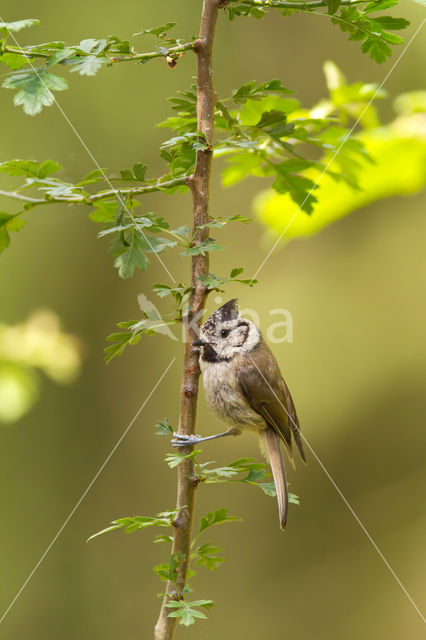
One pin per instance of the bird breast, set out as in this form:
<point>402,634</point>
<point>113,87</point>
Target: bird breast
<point>224,396</point>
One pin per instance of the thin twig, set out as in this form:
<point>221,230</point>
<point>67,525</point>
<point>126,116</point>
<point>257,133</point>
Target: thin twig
<point>164,52</point>
<point>199,183</point>
<point>96,197</point>
<point>302,6</point>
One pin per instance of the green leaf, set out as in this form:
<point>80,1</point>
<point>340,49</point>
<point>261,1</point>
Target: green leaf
<point>14,61</point>
<point>34,89</point>
<point>333,5</point>
<point>139,171</point>
<point>241,166</point>
<point>175,459</point>
<point>216,517</point>
<point>117,45</point>
<point>293,498</point>
<point>253,91</point>
<point>121,340</point>
<point>26,168</point>
<point>371,31</point>
<point>399,155</point>
<point>163,428</point>
<point>130,524</point>
<point>105,211</point>
<point>159,32</point>
<point>59,56</point>
<point>18,25</point>
<point>133,257</point>
<point>8,222</point>
<point>206,555</point>
<point>97,175</point>
<point>214,283</point>
<point>300,188</point>
<point>151,324</point>
<point>47,167</point>
<point>202,248</point>
<point>89,65</point>
<point>268,488</point>
<point>186,612</point>
<point>163,539</point>
<point>162,290</point>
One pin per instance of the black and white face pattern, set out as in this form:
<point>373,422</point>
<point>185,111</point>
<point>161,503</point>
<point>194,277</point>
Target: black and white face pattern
<point>226,334</point>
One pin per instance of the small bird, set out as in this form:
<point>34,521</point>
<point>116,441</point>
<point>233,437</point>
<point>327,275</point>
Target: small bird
<point>244,388</point>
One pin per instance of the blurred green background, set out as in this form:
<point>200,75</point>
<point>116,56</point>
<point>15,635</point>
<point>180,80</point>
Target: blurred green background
<point>356,366</point>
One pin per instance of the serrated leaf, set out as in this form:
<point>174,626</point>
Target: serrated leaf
<point>175,459</point>
<point>18,25</point>
<point>88,45</point>
<point>105,211</point>
<point>8,222</point>
<point>333,5</point>
<point>370,31</point>
<point>139,171</point>
<point>159,32</point>
<point>47,167</point>
<point>89,65</point>
<point>299,187</point>
<point>97,175</point>
<point>34,89</point>
<point>202,247</point>
<point>130,524</point>
<point>185,611</point>
<point>133,257</point>
<point>26,168</point>
<point>206,555</point>
<point>216,517</point>
<point>163,428</point>
<point>60,56</point>
<point>14,61</point>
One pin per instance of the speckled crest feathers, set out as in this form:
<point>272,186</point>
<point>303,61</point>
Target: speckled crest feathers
<point>226,313</point>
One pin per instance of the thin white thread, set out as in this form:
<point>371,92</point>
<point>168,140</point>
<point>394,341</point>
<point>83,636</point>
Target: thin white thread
<point>92,157</point>
<point>68,518</point>
<point>343,498</point>
<point>340,148</point>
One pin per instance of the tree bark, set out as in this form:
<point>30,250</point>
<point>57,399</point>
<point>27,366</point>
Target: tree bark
<point>199,183</point>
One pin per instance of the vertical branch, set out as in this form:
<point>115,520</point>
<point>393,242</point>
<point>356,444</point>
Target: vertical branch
<point>199,182</point>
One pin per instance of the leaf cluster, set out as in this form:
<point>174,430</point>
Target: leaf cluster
<point>203,554</point>
<point>374,33</point>
<point>31,66</point>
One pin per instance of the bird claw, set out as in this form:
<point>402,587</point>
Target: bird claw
<point>182,440</point>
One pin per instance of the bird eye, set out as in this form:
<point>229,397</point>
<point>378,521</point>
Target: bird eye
<point>224,333</point>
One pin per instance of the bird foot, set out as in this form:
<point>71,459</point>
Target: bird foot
<point>182,440</point>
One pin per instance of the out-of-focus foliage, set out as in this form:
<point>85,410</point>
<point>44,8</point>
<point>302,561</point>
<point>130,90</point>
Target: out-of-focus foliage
<point>27,348</point>
<point>396,162</point>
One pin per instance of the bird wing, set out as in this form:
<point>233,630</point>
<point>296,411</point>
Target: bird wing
<point>266,392</point>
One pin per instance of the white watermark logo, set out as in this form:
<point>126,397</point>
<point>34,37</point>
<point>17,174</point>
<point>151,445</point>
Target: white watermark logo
<point>280,328</point>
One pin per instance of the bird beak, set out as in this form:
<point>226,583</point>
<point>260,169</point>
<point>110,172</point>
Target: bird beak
<point>198,343</point>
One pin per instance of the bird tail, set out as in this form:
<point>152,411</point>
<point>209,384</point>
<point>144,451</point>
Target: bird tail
<point>276,461</point>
